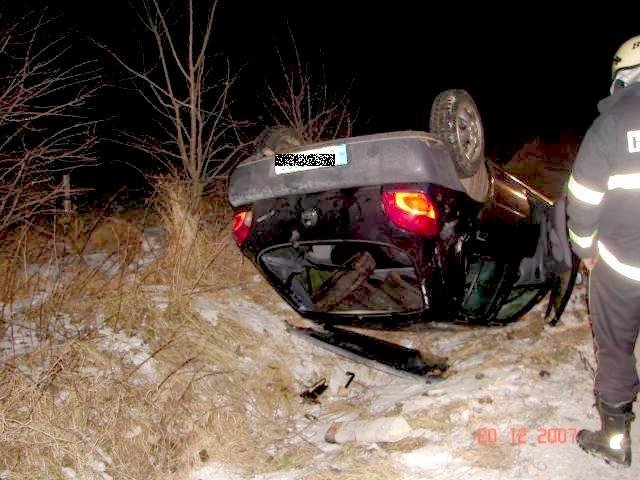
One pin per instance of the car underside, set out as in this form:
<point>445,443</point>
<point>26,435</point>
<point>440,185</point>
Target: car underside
<point>401,230</point>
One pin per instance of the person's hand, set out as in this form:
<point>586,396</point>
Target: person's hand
<point>590,263</point>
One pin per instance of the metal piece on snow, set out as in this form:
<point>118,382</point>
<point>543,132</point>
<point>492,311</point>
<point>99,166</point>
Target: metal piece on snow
<point>311,394</point>
<point>375,353</point>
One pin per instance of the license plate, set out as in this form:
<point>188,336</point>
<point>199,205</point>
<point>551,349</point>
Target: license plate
<point>332,156</point>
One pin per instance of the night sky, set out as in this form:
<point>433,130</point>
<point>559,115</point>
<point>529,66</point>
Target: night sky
<point>533,70</point>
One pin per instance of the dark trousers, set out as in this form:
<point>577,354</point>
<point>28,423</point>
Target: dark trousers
<point>614,302</point>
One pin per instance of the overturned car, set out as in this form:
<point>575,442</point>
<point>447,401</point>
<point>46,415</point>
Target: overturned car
<point>402,227</point>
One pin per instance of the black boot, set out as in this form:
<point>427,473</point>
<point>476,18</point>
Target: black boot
<point>612,442</point>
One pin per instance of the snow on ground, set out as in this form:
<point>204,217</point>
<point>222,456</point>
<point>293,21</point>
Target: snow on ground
<point>153,242</point>
<point>17,340</point>
<point>511,405</point>
<point>133,351</point>
<point>23,335</point>
<point>213,471</point>
<point>105,263</point>
<point>508,408</point>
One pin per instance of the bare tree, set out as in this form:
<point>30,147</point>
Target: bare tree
<point>43,134</point>
<point>198,140</point>
<point>303,103</point>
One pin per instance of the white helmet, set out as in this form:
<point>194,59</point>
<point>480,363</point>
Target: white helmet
<point>627,56</point>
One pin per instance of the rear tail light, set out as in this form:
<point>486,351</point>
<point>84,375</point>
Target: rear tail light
<point>241,226</point>
<point>412,211</point>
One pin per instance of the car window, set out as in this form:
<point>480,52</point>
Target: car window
<point>345,277</point>
<point>519,300</point>
<point>483,281</point>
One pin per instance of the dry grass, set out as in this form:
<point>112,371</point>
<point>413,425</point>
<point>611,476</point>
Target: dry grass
<point>494,457</point>
<point>440,419</point>
<point>405,446</point>
<point>74,400</point>
<point>361,465</point>
<point>201,255</point>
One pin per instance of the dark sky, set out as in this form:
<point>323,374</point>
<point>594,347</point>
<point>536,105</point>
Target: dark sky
<point>533,70</point>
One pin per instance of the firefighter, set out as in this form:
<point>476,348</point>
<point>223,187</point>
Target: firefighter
<point>604,229</point>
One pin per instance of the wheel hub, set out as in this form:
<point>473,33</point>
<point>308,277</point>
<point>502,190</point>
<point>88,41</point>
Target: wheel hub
<point>468,131</point>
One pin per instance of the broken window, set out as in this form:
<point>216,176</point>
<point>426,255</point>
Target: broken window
<point>345,277</point>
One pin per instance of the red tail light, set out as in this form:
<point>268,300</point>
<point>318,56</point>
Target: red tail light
<point>241,226</point>
<point>411,211</point>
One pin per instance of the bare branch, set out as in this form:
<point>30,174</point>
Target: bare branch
<point>304,106</point>
<point>197,137</point>
<point>44,132</point>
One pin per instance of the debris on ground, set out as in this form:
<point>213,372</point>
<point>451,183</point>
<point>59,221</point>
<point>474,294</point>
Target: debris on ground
<point>311,394</point>
<point>386,429</point>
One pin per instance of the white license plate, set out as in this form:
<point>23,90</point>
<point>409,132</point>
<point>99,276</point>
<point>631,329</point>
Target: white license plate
<point>309,160</point>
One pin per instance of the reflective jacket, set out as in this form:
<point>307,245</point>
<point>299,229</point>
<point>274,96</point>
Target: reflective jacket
<point>604,188</point>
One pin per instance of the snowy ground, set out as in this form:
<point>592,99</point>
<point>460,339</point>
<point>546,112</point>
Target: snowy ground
<point>508,408</point>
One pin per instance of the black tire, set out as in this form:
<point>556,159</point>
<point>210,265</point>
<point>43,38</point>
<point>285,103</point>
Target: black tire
<point>278,139</point>
<point>455,118</point>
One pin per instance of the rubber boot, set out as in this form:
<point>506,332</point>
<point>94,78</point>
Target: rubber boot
<point>612,442</point>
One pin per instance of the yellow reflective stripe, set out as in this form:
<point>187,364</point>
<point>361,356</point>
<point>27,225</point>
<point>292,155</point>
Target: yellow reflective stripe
<point>628,271</point>
<point>628,181</point>
<point>583,193</point>
<point>584,242</point>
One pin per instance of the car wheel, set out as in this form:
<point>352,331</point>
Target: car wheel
<point>455,118</point>
<point>279,139</point>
